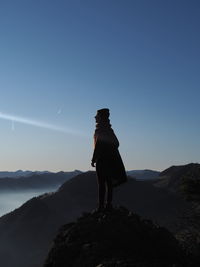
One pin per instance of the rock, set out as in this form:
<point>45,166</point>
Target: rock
<point>118,238</point>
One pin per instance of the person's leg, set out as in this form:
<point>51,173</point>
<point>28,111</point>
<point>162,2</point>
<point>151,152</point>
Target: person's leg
<point>101,184</point>
<point>109,193</point>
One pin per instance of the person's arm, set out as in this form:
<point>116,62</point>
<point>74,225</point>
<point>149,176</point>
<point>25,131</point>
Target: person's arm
<point>95,153</point>
<point>93,161</point>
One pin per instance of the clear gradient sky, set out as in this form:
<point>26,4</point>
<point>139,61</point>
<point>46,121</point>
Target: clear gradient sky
<point>60,61</point>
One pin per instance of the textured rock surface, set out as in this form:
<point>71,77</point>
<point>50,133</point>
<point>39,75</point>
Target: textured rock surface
<point>118,238</point>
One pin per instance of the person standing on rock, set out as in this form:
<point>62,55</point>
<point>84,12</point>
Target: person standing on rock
<point>107,160</point>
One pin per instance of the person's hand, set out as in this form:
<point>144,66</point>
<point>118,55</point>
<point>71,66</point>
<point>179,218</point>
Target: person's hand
<point>93,164</point>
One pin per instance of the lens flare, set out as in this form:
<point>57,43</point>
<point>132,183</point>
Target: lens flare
<point>37,123</point>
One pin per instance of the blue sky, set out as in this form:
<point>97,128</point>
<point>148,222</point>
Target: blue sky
<point>60,61</point>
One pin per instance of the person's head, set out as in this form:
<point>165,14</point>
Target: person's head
<point>102,115</point>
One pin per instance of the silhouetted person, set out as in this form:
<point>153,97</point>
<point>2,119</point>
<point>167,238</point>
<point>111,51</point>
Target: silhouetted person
<point>109,166</point>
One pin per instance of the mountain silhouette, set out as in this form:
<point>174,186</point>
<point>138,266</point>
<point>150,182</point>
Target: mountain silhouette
<point>184,180</point>
<point>174,177</point>
<point>144,174</point>
<point>19,173</point>
<point>36,181</point>
<point>29,230</point>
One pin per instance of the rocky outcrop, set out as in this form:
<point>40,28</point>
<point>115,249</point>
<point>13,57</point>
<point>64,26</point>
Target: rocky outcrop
<point>116,238</point>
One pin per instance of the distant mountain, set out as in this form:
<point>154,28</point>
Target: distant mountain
<point>29,230</point>
<point>143,174</point>
<point>175,177</point>
<point>185,181</point>
<point>138,174</point>
<point>19,173</point>
<point>36,181</point>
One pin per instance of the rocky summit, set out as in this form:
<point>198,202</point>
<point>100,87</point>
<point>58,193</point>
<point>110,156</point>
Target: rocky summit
<point>116,238</point>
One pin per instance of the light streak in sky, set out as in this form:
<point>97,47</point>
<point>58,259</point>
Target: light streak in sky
<point>37,123</point>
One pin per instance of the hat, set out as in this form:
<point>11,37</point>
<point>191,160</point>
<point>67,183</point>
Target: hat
<point>104,112</point>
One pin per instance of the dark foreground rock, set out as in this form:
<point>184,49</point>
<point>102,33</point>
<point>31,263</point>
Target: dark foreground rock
<point>118,238</point>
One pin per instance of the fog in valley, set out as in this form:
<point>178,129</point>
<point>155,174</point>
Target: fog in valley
<point>10,200</point>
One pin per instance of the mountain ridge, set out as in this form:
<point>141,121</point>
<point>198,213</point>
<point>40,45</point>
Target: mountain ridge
<point>19,173</point>
<point>36,181</point>
<point>173,177</point>
<point>31,227</point>
<point>145,174</point>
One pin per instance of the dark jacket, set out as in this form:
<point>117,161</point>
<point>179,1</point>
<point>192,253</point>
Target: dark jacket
<point>106,150</point>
